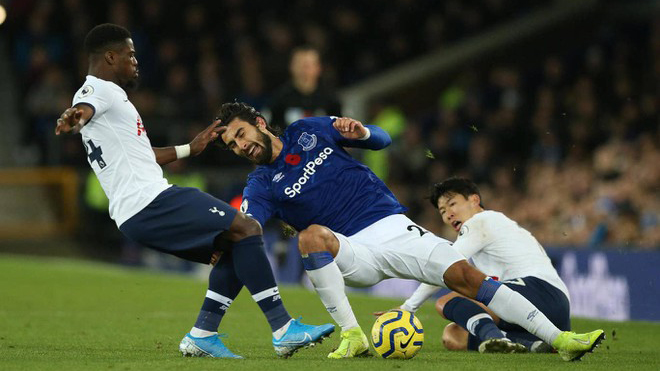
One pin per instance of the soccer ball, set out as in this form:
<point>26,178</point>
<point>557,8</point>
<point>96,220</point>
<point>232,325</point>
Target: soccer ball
<point>397,334</point>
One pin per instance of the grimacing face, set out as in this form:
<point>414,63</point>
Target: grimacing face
<point>248,141</point>
<point>455,209</point>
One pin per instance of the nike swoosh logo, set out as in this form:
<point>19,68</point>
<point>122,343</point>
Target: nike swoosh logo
<point>583,342</point>
<point>307,338</point>
<point>404,345</point>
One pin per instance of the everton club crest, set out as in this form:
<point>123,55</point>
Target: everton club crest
<point>307,141</point>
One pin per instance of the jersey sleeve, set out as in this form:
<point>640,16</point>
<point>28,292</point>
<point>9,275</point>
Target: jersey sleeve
<point>97,96</point>
<point>256,201</point>
<point>473,236</point>
<point>378,138</point>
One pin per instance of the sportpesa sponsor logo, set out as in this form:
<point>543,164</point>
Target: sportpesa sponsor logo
<point>308,170</point>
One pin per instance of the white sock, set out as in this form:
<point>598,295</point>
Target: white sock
<point>329,284</point>
<point>512,307</point>
<point>199,333</point>
<point>282,330</point>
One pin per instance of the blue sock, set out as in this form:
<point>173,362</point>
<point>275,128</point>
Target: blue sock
<point>487,290</point>
<point>224,286</point>
<point>253,269</point>
<point>317,260</point>
<point>473,318</point>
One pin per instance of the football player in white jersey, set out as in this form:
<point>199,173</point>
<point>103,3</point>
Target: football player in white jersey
<point>181,221</point>
<point>499,247</point>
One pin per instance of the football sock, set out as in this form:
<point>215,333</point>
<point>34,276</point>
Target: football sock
<point>224,286</point>
<point>329,284</point>
<point>472,317</point>
<point>512,307</point>
<point>253,269</point>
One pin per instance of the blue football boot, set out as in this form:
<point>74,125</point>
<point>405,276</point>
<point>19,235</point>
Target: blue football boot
<point>210,346</point>
<point>300,335</point>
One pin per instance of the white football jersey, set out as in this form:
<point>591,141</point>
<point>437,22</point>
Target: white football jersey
<point>499,247</point>
<point>118,149</point>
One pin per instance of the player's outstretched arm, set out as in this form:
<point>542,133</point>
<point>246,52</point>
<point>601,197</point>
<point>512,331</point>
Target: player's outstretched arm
<point>355,134</point>
<point>165,155</point>
<point>73,119</point>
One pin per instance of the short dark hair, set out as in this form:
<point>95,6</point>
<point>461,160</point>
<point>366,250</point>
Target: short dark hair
<point>243,111</point>
<point>104,35</point>
<point>454,186</point>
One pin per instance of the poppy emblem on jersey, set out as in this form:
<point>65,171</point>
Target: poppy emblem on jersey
<point>86,91</point>
<point>140,126</point>
<point>292,159</point>
<point>307,141</point>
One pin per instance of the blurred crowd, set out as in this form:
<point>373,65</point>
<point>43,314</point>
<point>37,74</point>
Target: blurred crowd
<point>567,147</point>
<point>198,54</point>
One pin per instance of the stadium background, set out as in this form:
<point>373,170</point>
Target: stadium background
<point>551,106</point>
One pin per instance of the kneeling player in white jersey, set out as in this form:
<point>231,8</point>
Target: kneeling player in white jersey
<point>352,228</point>
<point>499,247</point>
<point>184,222</point>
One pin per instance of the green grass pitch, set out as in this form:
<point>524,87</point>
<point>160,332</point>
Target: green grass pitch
<point>69,315</point>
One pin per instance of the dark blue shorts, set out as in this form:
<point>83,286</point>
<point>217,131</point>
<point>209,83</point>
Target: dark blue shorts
<point>547,298</point>
<point>181,221</point>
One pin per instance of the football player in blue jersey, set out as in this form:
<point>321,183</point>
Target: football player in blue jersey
<point>352,229</point>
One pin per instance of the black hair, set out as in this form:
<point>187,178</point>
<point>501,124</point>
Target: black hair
<point>243,111</point>
<point>454,186</point>
<point>104,35</point>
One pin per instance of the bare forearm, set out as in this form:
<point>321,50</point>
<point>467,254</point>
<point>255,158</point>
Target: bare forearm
<point>164,155</point>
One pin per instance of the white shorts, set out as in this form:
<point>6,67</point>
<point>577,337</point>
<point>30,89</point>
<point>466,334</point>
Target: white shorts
<point>394,247</point>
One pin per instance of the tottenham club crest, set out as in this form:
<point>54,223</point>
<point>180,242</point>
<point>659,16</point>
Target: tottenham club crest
<point>307,141</point>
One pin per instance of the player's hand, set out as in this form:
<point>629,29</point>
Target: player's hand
<point>350,128</point>
<point>207,136</point>
<point>380,313</point>
<point>70,121</point>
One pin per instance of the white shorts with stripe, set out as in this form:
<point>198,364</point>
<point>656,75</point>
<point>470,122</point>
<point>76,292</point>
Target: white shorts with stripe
<point>394,247</point>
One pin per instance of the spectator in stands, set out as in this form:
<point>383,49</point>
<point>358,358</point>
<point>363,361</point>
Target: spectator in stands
<point>305,94</point>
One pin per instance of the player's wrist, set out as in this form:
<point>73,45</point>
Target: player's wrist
<point>182,151</point>
<point>367,135</point>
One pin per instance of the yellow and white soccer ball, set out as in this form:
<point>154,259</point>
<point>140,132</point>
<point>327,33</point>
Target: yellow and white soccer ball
<point>397,334</point>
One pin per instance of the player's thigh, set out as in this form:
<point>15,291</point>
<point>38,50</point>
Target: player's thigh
<point>547,298</point>
<point>184,222</point>
<point>356,263</point>
<point>403,249</point>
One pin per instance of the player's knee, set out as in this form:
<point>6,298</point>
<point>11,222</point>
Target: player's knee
<point>440,306</point>
<point>464,278</point>
<point>315,238</point>
<point>242,227</point>
<point>451,337</point>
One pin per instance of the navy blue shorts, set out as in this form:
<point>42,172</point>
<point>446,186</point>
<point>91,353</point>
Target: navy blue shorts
<point>181,221</point>
<point>547,298</point>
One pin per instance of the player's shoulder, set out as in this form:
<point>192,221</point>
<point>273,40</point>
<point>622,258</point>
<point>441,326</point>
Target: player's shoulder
<point>484,220</point>
<point>93,87</point>
<point>318,122</point>
<point>259,174</point>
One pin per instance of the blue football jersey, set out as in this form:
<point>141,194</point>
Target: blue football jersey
<point>315,181</point>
